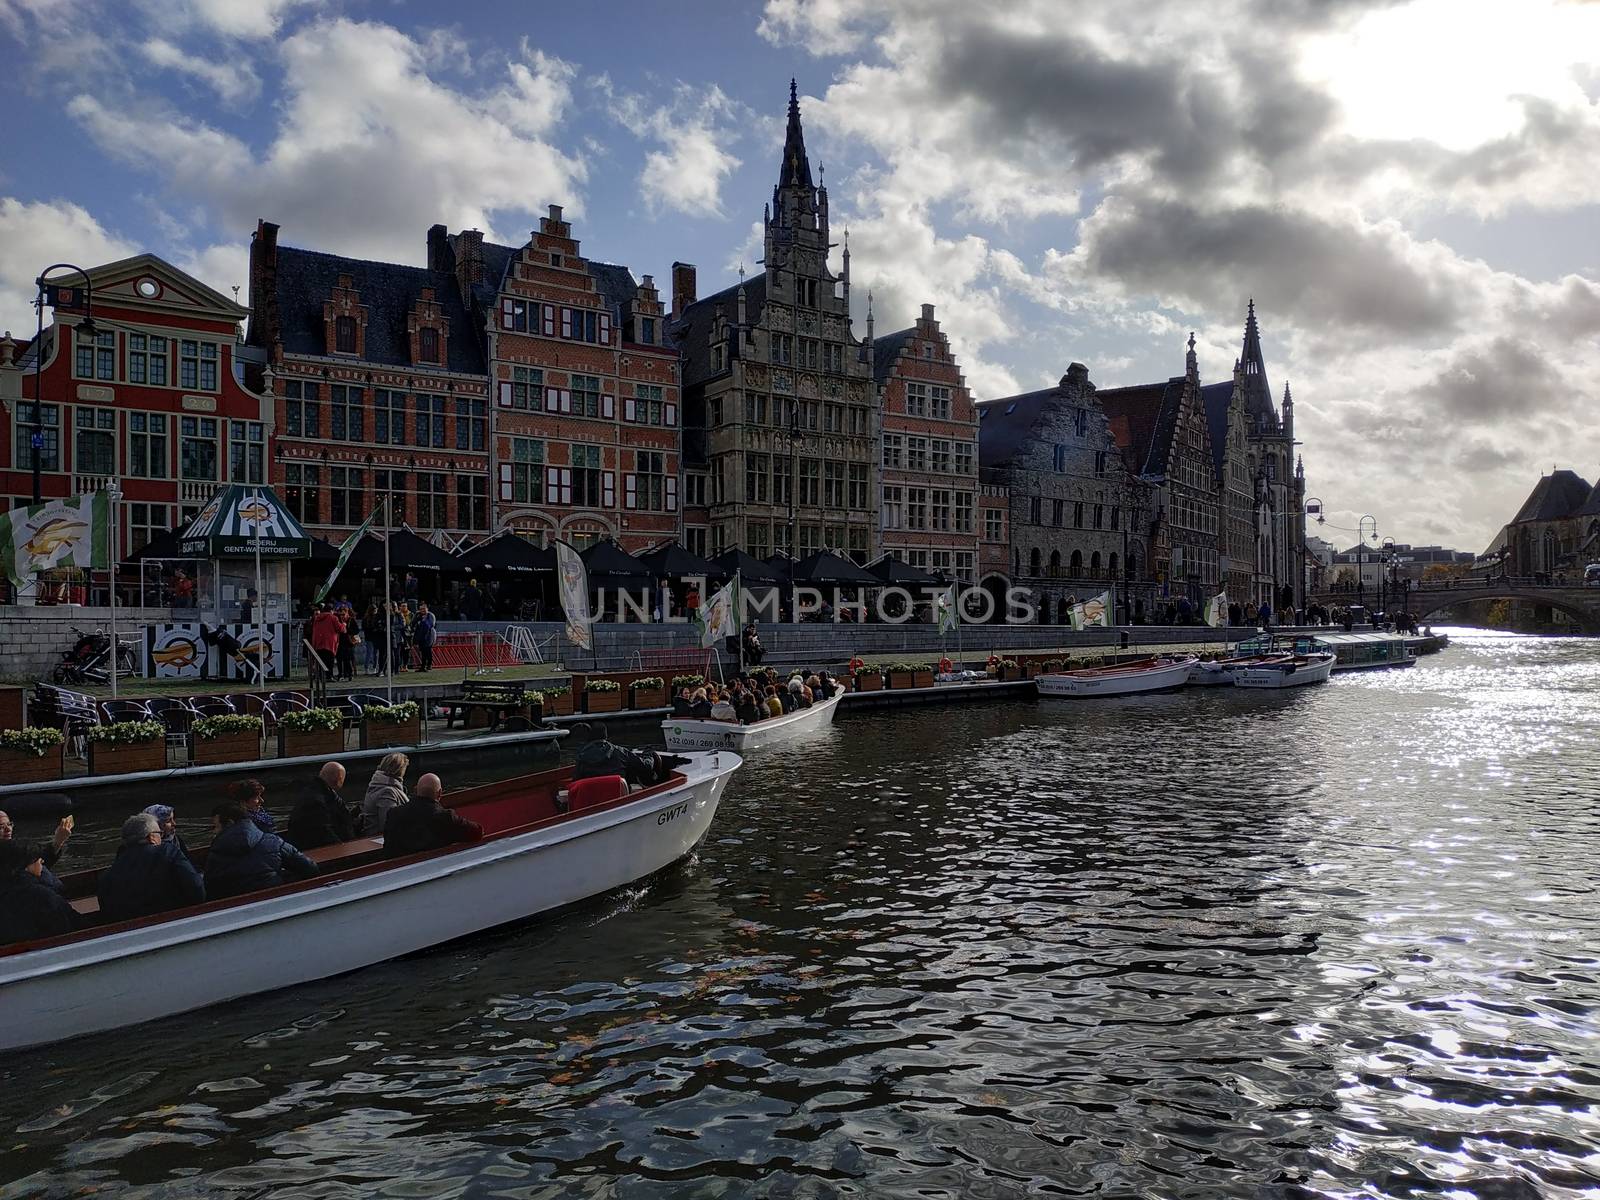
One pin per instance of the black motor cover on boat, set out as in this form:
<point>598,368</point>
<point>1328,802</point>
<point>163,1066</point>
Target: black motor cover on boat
<point>37,804</point>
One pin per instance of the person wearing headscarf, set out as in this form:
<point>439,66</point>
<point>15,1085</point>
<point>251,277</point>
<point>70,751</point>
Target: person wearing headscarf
<point>167,823</point>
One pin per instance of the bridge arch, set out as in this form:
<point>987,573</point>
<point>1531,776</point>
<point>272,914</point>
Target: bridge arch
<point>1581,604</point>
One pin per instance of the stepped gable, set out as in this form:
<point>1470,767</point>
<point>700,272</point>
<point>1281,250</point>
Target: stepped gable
<point>1218,399</point>
<point>388,291</point>
<point>1143,419</point>
<point>693,327</point>
<point>886,349</point>
<point>1558,495</point>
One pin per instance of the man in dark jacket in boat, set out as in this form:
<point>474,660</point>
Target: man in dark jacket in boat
<point>29,908</point>
<point>597,757</point>
<point>422,823</point>
<point>244,859</point>
<point>150,874</point>
<point>323,818</point>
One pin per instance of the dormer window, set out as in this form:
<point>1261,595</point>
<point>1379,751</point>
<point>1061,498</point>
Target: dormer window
<point>428,345</point>
<point>344,335</point>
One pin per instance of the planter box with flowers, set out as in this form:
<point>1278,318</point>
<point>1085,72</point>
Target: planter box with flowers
<point>31,755</point>
<point>906,675</point>
<point>556,702</point>
<point>1007,669</point>
<point>311,731</point>
<point>869,679</point>
<point>226,739</point>
<point>602,696</point>
<point>922,674</point>
<point>391,725</point>
<point>679,682</point>
<point>649,692</point>
<point>126,747</point>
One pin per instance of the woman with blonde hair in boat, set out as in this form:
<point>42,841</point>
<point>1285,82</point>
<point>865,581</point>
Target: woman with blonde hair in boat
<point>386,790</point>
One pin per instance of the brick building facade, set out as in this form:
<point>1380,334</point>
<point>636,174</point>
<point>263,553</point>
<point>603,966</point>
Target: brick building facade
<point>780,404</point>
<point>154,401</point>
<point>929,467</point>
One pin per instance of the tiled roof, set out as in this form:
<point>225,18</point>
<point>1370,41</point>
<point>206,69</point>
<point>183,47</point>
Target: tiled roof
<point>389,291</point>
<point>886,349</point>
<point>1143,419</point>
<point>693,326</point>
<point>1559,494</point>
<point>1591,506</point>
<point>1218,398</point>
<point>1004,425</point>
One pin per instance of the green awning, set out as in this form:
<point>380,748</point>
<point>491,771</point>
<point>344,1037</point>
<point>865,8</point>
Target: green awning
<point>233,519</point>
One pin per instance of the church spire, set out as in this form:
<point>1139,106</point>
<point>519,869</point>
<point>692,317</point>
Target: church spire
<point>796,170</point>
<point>1253,362</point>
<point>1257,392</point>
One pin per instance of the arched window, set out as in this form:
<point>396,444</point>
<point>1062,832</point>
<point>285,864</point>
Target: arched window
<point>1033,561</point>
<point>1112,565</point>
<point>1077,564</point>
<point>428,345</point>
<point>1055,563</point>
<point>1094,564</point>
<point>344,335</point>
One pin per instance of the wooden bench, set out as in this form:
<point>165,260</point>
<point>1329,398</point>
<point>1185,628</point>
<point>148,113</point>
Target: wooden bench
<point>341,856</point>
<point>498,698</point>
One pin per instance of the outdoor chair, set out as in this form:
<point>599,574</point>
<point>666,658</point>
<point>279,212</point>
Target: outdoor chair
<point>176,717</point>
<point>301,697</point>
<point>226,701</point>
<point>113,711</point>
<point>212,708</point>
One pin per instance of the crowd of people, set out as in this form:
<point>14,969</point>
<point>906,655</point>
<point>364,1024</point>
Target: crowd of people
<point>753,696</point>
<point>404,628</point>
<point>155,871</point>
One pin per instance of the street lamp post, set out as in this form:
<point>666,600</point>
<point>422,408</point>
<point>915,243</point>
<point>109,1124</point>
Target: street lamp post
<point>1387,557</point>
<point>1361,546</point>
<point>86,329</point>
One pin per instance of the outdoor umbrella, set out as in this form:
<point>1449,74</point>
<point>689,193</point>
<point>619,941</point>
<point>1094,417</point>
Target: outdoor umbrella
<point>672,561</point>
<point>751,570</point>
<point>608,562</point>
<point>891,570</point>
<point>827,568</point>
<point>407,552</point>
<point>509,553</point>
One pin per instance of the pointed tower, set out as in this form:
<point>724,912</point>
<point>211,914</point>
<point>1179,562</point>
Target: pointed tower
<point>1257,392</point>
<point>794,200</point>
<point>1288,412</point>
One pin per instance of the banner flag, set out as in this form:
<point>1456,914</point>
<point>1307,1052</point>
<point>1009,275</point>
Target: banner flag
<point>58,533</point>
<point>718,617</point>
<point>1075,616</point>
<point>1217,610</point>
<point>573,580</point>
<point>346,549</point>
<point>948,616</point>
<point>1095,612</point>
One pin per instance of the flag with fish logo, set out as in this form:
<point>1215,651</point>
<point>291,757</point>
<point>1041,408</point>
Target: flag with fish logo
<point>1092,612</point>
<point>1217,610</point>
<point>572,579</point>
<point>57,533</point>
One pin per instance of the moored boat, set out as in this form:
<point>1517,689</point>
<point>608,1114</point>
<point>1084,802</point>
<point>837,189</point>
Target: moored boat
<point>1222,672</point>
<point>687,733</point>
<point>363,909</point>
<point>1144,675</point>
<point>1289,671</point>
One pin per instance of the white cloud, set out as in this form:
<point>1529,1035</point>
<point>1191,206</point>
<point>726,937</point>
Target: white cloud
<point>252,19</point>
<point>38,234</point>
<point>369,151</point>
<point>234,80</point>
<point>694,130</point>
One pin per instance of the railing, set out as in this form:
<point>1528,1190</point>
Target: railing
<point>192,492</point>
<point>84,484</point>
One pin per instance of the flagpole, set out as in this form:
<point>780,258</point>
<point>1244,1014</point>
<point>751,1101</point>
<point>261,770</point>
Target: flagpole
<point>261,629</point>
<point>738,619</point>
<point>388,612</point>
<point>113,494</point>
<point>959,657</point>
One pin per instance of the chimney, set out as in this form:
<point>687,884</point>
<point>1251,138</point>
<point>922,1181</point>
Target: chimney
<point>439,255</point>
<point>552,223</point>
<point>264,323</point>
<point>927,314</point>
<point>469,258</point>
<point>1077,375</point>
<point>683,281</point>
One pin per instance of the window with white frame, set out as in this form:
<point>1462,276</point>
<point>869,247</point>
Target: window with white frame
<point>472,501</point>
<point>197,365</point>
<point>916,453</point>
<point>389,417</point>
<point>650,481</point>
<point>964,458</point>
<point>246,452</point>
<point>939,402</point>
<point>96,359</point>
<point>941,456</point>
<point>94,442</point>
<point>472,423</point>
<point>433,500</point>
<point>147,359</point>
<point>894,451</point>
<point>994,525</point>
<point>941,510</point>
<point>833,485</point>
<point>755,478</point>
<point>344,405</point>
<point>964,519</point>
<point>346,496</point>
<point>893,507</point>
<point>302,492</point>
<point>916,508</point>
<point>916,399</point>
<point>858,486</point>
<point>147,445</point>
<point>527,471</point>
<point>197,448</point>
<point>650,404</point>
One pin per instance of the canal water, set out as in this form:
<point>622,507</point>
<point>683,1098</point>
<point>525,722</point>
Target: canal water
<point>1341,941</point>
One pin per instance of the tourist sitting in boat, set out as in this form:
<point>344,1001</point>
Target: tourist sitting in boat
<point>151,873</point>
<point>423,824</point>
<point>322,819</point>
<point>774,705</point>
<point>700,705</point>
<point>51,853</point>
<point>167,822</point>
<point>722,709</point>
<point>385,792</point>
<point>252,795</point>
<point>29,907</point>
<point>244,859</point>
<point>746,708</point>
<point>682,703</point>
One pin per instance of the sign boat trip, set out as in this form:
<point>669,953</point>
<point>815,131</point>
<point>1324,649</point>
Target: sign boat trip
<point>683,733</point>
<point>363,909</point>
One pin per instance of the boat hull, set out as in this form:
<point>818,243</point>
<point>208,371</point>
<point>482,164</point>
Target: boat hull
<point>1084,685</point>
<point>140,974</point>
<point>1285,675</point>
<point>687,734</point>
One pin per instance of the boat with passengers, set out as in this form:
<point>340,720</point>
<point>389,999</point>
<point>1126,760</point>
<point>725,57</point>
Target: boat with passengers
<point>702,733</point>
<point>547,842</point>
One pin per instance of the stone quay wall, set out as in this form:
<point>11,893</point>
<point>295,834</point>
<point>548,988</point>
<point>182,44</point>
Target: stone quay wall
<point>32,640</point>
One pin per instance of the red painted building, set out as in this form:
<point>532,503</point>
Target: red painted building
<point>154,401</point>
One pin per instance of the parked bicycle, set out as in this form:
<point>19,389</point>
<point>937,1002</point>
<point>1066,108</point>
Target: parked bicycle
<point>87,661</point>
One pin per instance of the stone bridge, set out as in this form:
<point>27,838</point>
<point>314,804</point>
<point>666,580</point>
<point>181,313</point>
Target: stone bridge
<point>1425,600</point>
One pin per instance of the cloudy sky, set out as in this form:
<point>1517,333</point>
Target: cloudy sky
<point>1408,190</point>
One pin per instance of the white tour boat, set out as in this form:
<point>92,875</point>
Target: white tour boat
<point>689,733</point>
<point>363,909</point>
<point>1289,671</point>
<point>1222,672</point>
<point>1145,675</point>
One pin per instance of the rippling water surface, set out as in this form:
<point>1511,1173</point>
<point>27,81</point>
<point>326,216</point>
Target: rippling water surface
<point>1337,942</point>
